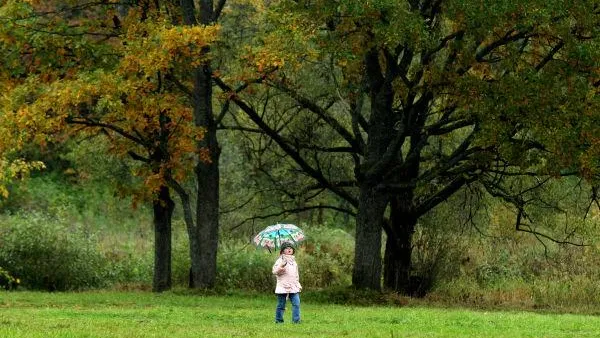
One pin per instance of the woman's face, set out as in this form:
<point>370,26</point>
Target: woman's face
<point>288,251</point>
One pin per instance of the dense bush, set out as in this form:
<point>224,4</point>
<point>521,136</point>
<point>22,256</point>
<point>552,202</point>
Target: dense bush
<point>436,257</point>
<point>241,266</point>
<point>324,260</point>
<point>327,258</point>
<point>7,281</point>
<point>348,295</point>
<point>46,254</point>
<point>126,267</point>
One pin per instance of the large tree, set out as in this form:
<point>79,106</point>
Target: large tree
<point>425,98</point>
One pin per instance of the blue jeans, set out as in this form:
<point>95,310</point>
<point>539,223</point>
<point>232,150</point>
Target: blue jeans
<point>295,300</point>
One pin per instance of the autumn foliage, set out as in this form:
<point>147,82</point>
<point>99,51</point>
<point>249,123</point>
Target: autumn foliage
<point>86,71</point>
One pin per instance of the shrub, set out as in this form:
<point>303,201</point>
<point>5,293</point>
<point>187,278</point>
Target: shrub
<point>325,260</point>
<point>569,292</point>
<point>46,254</point>
<point>181,262</point>
<point>242,266</point>
<point>349,295</point>
<point>7,281</point>
<point>436,256</point>
<point>127,268</point>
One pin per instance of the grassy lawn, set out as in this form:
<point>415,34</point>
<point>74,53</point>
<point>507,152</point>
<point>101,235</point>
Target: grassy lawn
<point>141,314</point>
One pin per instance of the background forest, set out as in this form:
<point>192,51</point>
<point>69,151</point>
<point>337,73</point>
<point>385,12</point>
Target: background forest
<point>439,149</point>
<point>66,229</point>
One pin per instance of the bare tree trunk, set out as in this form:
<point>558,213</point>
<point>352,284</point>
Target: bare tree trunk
<point>367,252</point>
<point>207,217</point>
<point>398,250</point>
<point>163,211</point>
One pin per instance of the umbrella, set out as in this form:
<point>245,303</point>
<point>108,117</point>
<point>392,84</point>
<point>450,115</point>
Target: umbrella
<point>274,235</point>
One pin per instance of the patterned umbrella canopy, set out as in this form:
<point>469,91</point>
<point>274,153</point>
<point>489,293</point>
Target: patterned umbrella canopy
<point>273,236</point>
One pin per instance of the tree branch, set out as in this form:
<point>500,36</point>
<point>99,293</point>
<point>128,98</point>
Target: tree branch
<point>295,211</point>
<point>313,107</point>
<point>295,155</point>
<point>120,131</point>
<point>218,10</point>
<point>185,202</point>
<point>550,55</point>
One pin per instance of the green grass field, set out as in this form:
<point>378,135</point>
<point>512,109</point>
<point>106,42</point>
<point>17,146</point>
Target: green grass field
<point>143,314</point>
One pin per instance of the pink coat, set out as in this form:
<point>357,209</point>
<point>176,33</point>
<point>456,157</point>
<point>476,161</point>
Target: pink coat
<point>288,279</point>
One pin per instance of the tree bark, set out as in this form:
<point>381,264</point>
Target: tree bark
<point>367,253</point>
<point>204,263</point>
<point>398,249</point>
<point>204,242</point>
<point>163,207</point>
